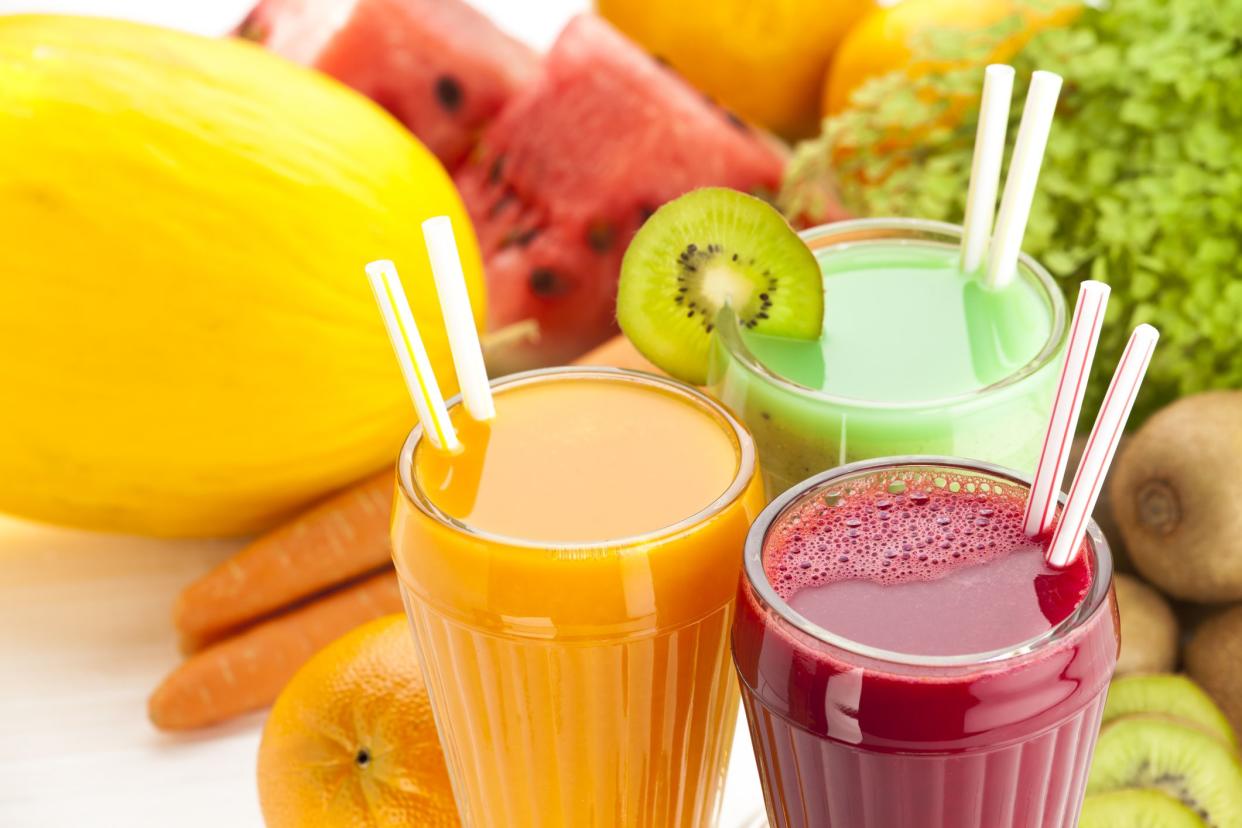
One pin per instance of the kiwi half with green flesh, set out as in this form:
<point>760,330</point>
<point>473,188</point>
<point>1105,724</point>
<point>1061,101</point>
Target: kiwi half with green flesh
<point>1159,753</point>
<point>1137,808</point>
<point>1167,694</point>
<point>710,249</point>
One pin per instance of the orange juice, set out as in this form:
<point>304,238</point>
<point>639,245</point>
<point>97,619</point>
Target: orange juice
<point>570,577</point>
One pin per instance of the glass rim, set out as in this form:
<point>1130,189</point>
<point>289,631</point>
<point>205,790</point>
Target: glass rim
<point>756,577</point>
<point>747,465</point>
<point>825,235</point>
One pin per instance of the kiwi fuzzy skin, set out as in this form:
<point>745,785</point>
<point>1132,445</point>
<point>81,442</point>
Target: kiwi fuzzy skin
<point>1174,494</point>
<point>1149,632</point>
<point>1214,660</point>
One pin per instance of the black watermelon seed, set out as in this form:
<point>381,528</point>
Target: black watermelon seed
<point>494,172</point>
<point>600,236</point>
<point>501,203</point>
<point>449,92</point>
<point>737,122</point>
<point>547,282</point>
<point>520,238</point>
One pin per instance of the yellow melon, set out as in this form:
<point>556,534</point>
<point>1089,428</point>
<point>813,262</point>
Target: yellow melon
<point>189,343</point>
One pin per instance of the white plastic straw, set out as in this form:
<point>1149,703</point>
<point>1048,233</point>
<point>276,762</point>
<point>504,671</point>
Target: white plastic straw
<point>1101,446</point>
<point>420,378</point>
<point>1066,406</point>
<point>476,392</point>
<point>1028,156</point>
<point>985,167</point>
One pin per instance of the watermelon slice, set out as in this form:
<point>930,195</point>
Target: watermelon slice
<point>440,67</point>
<point>571,168</point>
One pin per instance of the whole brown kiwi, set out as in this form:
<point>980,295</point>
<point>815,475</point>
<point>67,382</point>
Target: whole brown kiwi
<point>1214,660</point>
<point>1148,628</point>
<point>1174,499</point>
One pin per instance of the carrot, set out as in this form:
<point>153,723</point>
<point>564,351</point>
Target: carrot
<point>341,538</point>
<point>248,671</point>
<point>335,541</point>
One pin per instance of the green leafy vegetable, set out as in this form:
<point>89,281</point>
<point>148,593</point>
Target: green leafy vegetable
<point>1141,186</point>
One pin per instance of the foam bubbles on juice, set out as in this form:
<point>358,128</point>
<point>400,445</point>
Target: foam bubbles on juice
<point>894,527</point>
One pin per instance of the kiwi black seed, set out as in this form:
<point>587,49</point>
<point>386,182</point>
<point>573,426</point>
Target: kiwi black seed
<point>1160,753</point>
<point>712,249</point>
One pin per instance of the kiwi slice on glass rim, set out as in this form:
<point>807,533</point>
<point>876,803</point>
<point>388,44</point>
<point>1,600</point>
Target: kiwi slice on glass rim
<point>711,249</point>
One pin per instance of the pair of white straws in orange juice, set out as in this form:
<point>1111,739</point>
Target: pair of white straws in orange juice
<point>463,338</point>
<point>1002,258</point>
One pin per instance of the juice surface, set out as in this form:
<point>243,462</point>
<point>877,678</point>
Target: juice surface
<point>582,461</point>
<point>903,323</point>
<point>932,570</point>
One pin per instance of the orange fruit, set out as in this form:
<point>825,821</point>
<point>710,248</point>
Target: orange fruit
<point>887,39</point>
<point>763,60</point>
<point>351,740</point>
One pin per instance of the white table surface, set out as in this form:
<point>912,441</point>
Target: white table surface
<point>84,636</point>
<point>84,619</point>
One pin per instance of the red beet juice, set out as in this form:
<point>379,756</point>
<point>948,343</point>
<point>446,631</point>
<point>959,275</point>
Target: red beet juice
<point>908,659</point>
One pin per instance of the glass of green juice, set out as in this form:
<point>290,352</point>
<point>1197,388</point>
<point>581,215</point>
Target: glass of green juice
<point>915,357</point>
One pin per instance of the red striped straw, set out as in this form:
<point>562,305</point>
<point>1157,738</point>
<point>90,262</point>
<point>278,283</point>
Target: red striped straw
<point>1101,446</point>
<point>1041,504</point>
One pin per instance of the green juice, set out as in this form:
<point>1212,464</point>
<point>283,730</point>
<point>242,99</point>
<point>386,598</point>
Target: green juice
<point>915,357</point>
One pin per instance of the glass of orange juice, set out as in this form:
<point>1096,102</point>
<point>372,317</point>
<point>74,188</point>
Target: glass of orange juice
<point>570,577</point>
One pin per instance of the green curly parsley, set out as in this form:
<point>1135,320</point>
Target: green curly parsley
<point>1141,186</point>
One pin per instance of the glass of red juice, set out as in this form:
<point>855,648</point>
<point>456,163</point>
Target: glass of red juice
<point>908,659</point>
